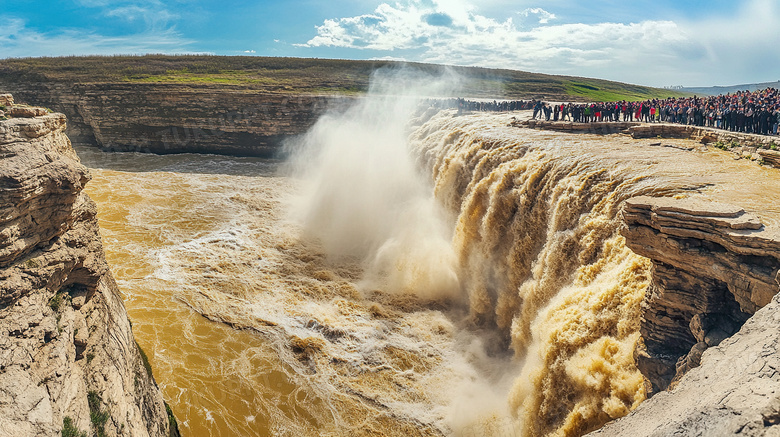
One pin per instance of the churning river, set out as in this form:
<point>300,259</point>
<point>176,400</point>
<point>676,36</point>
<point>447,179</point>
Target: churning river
<point>403,273</point>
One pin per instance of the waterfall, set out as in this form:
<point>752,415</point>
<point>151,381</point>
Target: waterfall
<point>412,272</point>
<point>541,262</point>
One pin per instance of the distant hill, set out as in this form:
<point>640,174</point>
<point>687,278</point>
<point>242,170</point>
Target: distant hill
<point>306,76</point>
<point>717,90</point>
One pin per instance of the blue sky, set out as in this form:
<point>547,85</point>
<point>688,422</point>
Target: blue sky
<point>658,43</point>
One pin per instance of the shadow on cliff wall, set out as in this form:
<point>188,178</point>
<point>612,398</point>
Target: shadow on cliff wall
<point>137,162</point>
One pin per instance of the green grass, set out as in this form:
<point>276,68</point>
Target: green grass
<point>306,75</point>
<point>70,430</point>
<point>56,302</point>
<point>607,92</point>
<point>97,415</point>
<point>172,422</point>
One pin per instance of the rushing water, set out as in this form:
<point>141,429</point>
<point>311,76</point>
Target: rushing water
<point>486,291</point>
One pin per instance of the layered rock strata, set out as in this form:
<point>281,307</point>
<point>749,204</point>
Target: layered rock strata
<point>714,266</point>
<point>771,157</point>
<point>177,118</point>
<point>68,359</point>
<point>699,133</point>
<point>603,128</point>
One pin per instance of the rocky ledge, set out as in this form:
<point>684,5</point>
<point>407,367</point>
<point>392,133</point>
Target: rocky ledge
<point>709,328</point>
<point>68,359</point>
<point>714,266</point>
<point>751,146</point>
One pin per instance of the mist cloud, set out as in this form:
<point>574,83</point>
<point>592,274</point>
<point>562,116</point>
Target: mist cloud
<point>363,197</point>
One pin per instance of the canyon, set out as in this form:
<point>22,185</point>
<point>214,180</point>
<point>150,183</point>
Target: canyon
<point>666,287</point>
<point>239,105</point>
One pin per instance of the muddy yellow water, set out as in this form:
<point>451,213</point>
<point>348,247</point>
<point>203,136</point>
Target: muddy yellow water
<point>524,324</point>
<point>219,380</point>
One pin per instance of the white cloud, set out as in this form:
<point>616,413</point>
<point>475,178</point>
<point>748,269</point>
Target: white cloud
<point>155,14</point>
<point>544,16</point>
<point>17,40</point>
<point>657,52</point>
<point>389,58</point>
<point>473,39</point>
<point>153,24</point>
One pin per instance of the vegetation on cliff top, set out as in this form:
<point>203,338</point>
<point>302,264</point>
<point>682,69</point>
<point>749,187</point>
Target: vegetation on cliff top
<point>306,75</point>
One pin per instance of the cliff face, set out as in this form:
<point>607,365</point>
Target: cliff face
<point>710,321</point>
<point>177,118</point>
<point>714,266</point>
<point>68,359</point>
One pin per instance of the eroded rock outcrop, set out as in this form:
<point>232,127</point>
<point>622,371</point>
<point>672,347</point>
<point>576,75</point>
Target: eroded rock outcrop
<point>714,266</point>
<point>699,133</point>
<point>745,145</point>
<point>68,358</point>
<point>771,157</point>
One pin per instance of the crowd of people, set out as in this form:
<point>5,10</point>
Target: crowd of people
<point>495,106</point>
<point>755,112</point>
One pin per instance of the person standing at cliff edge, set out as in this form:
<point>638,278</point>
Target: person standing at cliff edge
<point>537,108</point>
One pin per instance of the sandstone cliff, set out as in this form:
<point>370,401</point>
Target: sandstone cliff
<point>710,322</point>
<point>177,118</point>
<point>714,265</point>
<point>68,359</point>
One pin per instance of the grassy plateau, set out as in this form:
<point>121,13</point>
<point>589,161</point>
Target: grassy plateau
<point>307,76</point>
